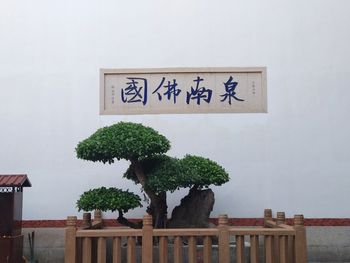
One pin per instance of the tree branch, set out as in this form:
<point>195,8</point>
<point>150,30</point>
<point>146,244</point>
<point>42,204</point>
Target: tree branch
<point>124,221</point>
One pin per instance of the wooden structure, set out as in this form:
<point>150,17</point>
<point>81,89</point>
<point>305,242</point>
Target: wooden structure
<point>275,242</point>
<point>11,197</point>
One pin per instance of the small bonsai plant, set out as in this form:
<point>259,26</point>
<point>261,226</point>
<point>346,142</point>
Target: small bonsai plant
<point>156,172</point>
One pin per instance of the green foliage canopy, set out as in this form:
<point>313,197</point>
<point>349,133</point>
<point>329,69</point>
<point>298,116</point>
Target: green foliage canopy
<point>202,171</point>
<point>166,173</point>
<point>108,199</point>
<point>162,173</point>
<point>124,140</point>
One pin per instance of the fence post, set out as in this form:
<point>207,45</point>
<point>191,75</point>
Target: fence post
<point>267,216</point>
<point>147,239</point>
<point>269,247</point>
<point>224,240</point>
<point>281,218</point>
<point>280,241</point>
<point>86,221</point>
<point>98,216</point>
<point>70,242</point>
<point>300,239</point>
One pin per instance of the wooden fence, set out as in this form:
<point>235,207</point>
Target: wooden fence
<point>273,243</point>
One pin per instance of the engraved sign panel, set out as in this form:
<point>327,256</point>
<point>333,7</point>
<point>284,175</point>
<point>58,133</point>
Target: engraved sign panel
<point>182,90</point>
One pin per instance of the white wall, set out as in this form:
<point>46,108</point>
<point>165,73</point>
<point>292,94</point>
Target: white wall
<point>295,158</point>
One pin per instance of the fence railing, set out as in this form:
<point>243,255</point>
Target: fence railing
<point>274,242</point>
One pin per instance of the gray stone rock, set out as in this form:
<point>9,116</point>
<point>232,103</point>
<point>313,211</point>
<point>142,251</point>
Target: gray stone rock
<point>194,210</point>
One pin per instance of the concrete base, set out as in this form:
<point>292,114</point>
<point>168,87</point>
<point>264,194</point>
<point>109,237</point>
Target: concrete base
<point>328,244</point>
<point>325,244</point>
<point>49,244</point>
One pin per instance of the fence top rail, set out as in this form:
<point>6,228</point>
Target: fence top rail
<point>273,224</point>
<point>118,232</point>
<point>186,232</point>
<point>109,232</point>
<point>261,232</point>
<point>285,226</point>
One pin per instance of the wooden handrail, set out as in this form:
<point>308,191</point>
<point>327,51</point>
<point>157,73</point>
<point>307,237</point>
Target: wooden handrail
<point>261,231</point>
<point>185,232</point>
<point>109,232</point>
<point>273,224</point>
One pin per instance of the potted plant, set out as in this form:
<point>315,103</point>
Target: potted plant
<point>150,167</point>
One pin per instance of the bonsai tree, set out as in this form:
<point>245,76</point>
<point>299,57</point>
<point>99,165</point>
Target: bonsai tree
<point>156,172</point>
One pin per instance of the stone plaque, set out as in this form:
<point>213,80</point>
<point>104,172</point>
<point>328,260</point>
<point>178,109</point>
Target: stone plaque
<point>182,90</point>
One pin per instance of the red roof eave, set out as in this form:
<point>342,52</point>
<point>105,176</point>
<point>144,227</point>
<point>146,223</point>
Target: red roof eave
<point>14,180</point>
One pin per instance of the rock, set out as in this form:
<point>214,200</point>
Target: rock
<point>194,210</point>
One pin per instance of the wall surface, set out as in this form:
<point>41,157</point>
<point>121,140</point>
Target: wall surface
<point>294,158</point>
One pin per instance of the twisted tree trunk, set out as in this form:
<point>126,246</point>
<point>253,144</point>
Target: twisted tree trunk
<point>158,206</point>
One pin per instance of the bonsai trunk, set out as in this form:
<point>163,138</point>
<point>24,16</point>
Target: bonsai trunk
<point>124,221</point>
<point>158,209</point>
<point>158,206</point>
